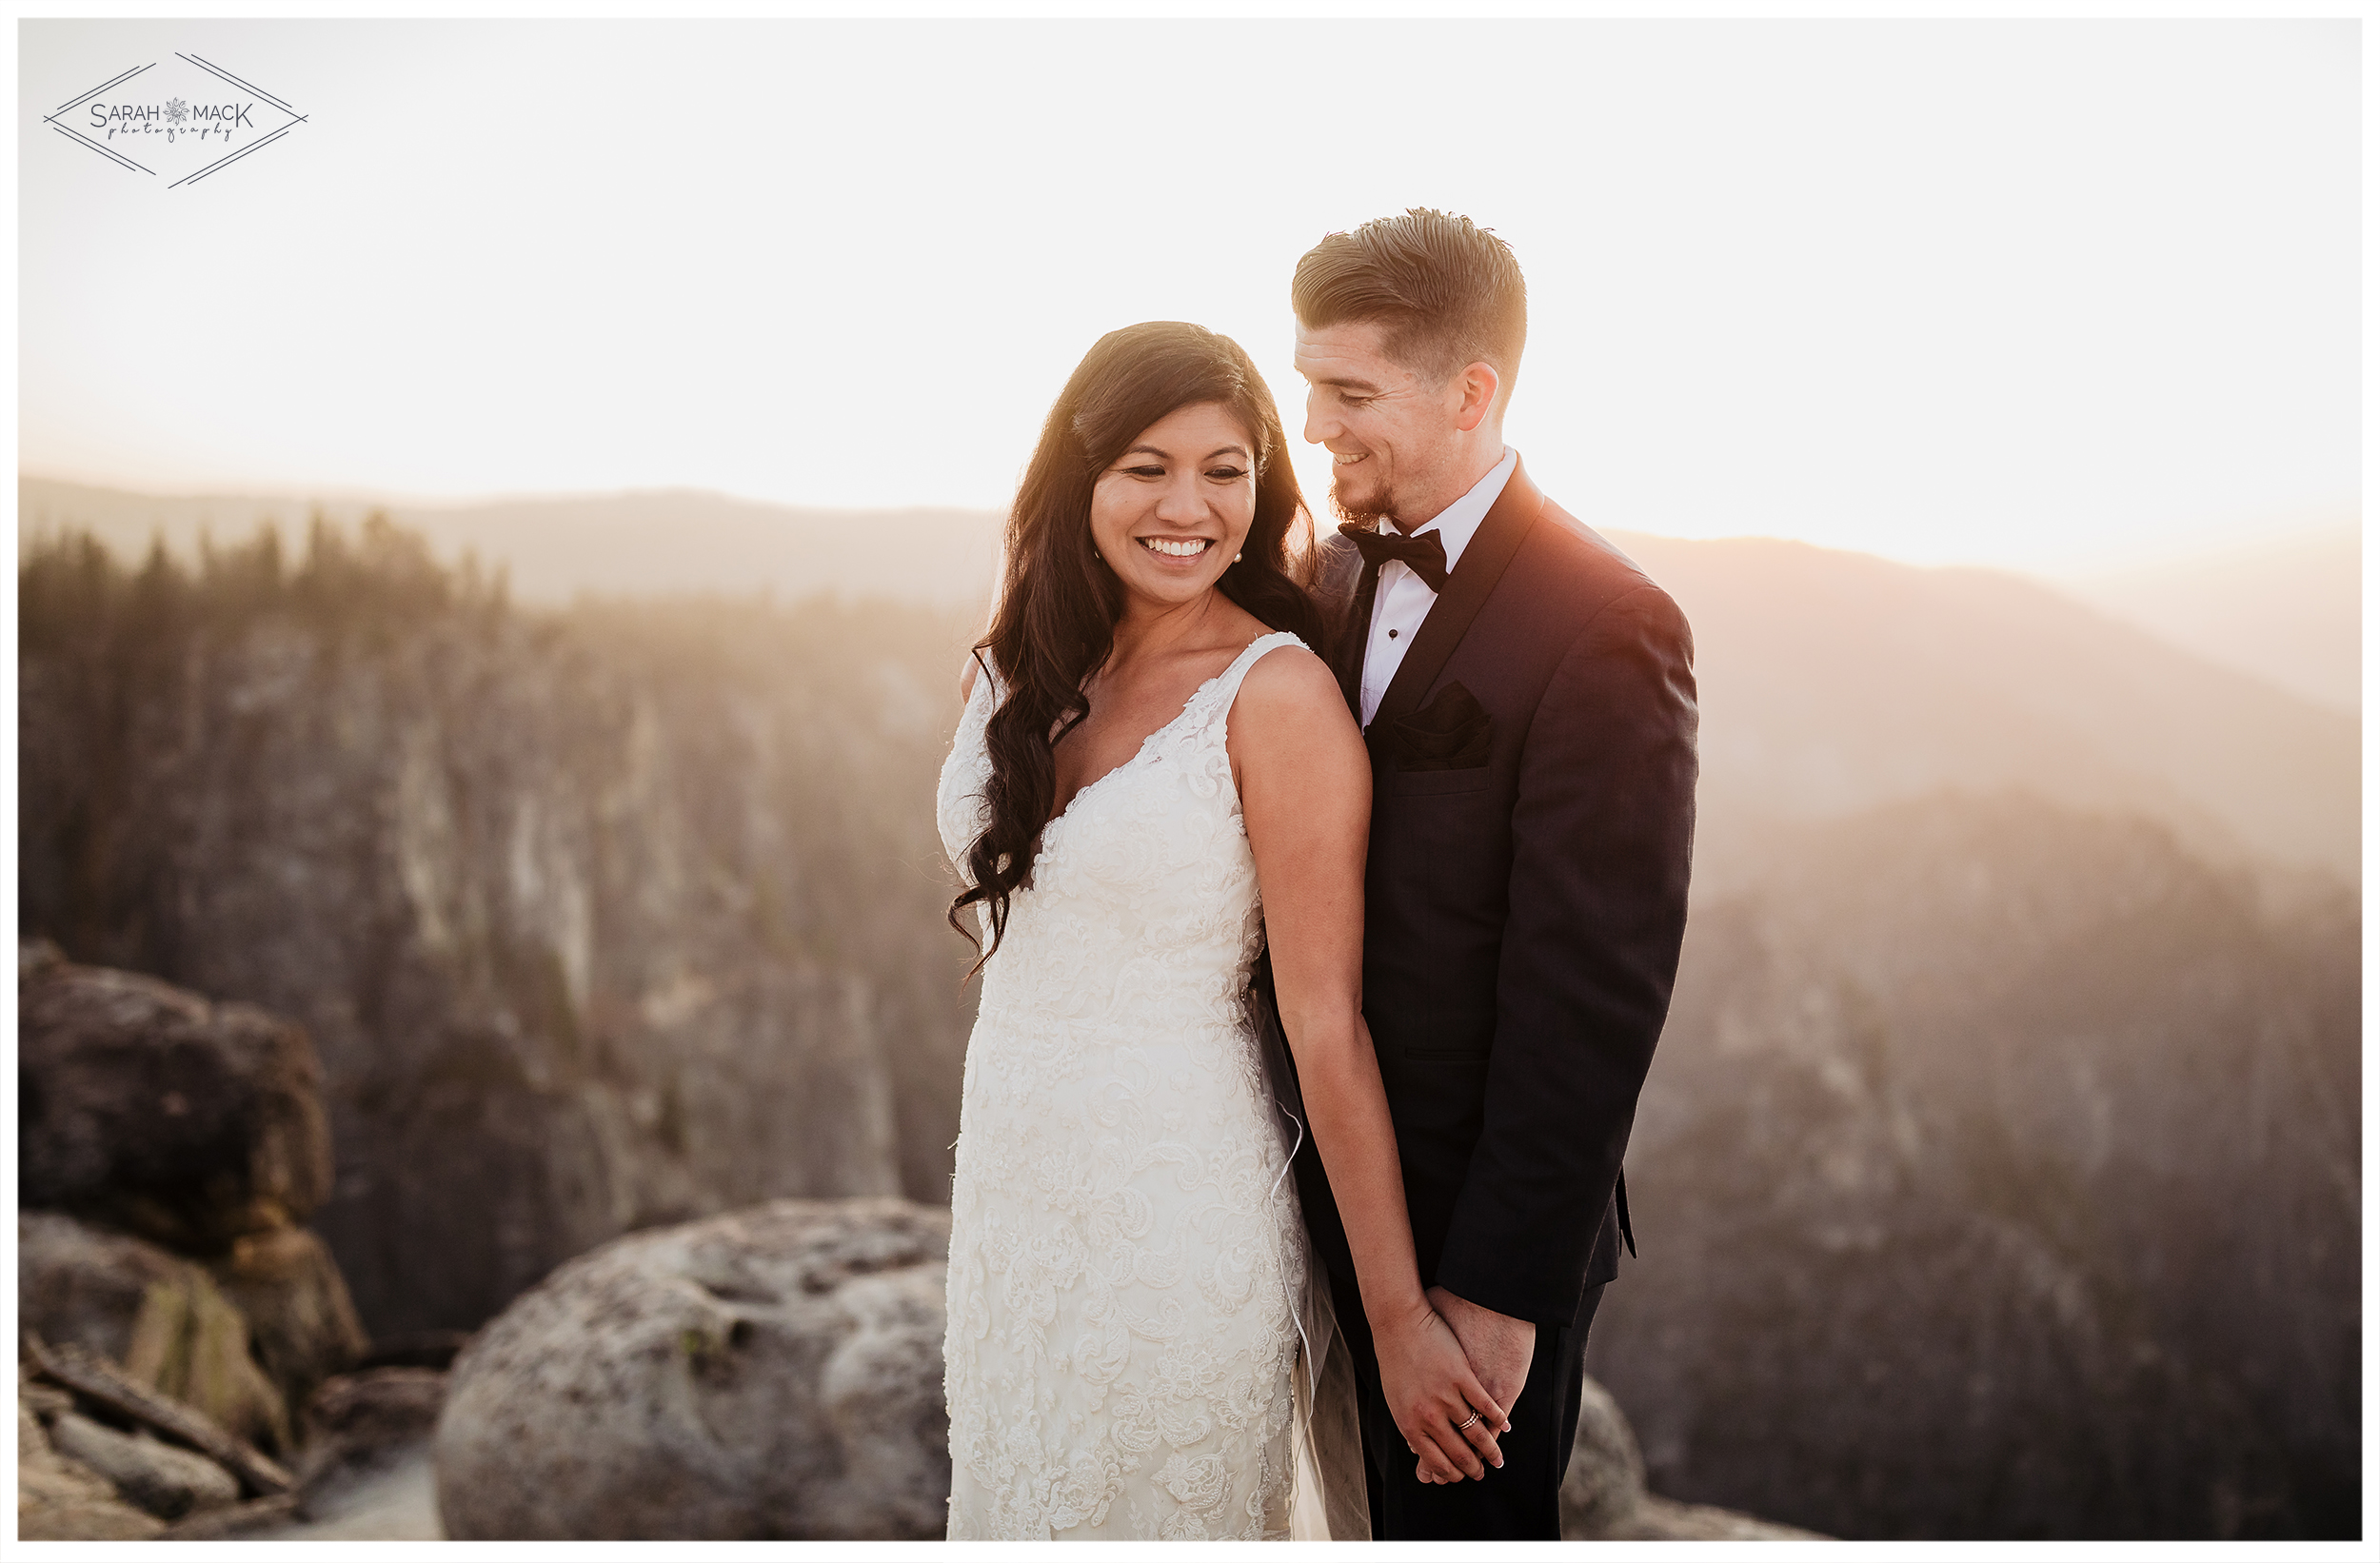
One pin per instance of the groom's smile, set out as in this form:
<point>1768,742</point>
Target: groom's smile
<point>1384,426</point>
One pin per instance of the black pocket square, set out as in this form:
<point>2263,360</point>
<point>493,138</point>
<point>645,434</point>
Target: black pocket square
<point>1449,734</point>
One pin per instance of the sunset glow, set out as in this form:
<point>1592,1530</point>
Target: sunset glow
<point>2048,295</point>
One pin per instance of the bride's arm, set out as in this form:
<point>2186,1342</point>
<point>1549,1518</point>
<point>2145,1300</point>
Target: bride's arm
<point>1305,792</point>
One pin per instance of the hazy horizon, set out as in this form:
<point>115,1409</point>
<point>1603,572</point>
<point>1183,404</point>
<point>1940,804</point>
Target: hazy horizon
<point>2281,533</point>
<point>2286,610</point>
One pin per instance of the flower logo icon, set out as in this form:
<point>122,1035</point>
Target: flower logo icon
<point>177,110</point>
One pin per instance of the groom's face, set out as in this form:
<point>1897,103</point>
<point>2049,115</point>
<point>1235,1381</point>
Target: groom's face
<point>1391,432</point>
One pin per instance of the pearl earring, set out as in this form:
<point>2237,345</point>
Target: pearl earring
<point>1237,558</point>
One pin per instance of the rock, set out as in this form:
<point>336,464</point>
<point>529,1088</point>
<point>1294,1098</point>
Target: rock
<point>362,1423</point>
<point>300,1321</point>
<point>103,1385</point>
<point>774,1373</point>
<point>414,1349</point>
<point>375,1409</point>
<point>1661,1519</point>
<point>151,1474</point>
<point>1605,1483</point>
<point>78,1283</point>
<point>160,1317</point>
<point>368,1475</point>
<point>35,957</point>
<point>46,1401</point>
<point>254,1519</point>
<point>152,1109</point>
<point>62,1499</point>
<point>192,1345</point>
<point>1603,1494</point>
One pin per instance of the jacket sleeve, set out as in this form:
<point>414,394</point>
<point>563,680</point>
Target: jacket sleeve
<point>1602,837</point>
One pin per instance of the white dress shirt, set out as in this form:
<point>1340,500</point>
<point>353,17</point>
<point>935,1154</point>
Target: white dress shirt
<point>1403,599</point>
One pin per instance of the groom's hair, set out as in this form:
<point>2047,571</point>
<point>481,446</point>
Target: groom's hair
<point>1447,292</point>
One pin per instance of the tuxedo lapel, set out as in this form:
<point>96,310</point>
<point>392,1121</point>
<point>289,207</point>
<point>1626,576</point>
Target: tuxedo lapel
<point>1475,576</point>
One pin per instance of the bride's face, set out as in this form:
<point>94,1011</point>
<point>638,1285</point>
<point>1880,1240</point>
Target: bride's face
<point>1169,514</point>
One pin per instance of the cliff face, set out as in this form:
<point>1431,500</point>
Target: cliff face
<point>598,918</point>
<point>1997,1175</point>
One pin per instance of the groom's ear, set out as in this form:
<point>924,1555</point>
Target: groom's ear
<point>1477,383</point>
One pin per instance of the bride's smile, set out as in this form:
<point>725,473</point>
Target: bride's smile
<point>1169,514</point>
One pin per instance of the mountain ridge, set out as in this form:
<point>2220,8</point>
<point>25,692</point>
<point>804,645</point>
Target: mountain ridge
<point>1832,682</point>
<point>2290,609</point>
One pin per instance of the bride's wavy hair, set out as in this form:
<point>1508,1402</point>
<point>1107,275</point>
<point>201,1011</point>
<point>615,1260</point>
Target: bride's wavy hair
<point>1058,602</point>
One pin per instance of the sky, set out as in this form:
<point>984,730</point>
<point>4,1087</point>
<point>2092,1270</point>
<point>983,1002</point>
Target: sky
<point>2055,296</point>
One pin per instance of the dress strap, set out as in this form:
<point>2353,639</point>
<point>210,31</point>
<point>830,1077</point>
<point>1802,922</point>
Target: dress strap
<point>1227,686</point>
<point>1209,711</point>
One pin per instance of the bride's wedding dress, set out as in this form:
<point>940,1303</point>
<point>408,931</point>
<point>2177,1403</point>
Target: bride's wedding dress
<point>1126,1259</point>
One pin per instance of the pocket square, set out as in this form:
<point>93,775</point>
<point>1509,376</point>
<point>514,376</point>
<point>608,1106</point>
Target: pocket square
<point>1449,734</point>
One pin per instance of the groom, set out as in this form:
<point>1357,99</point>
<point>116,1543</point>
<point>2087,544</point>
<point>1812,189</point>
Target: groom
<point>1527,699</point>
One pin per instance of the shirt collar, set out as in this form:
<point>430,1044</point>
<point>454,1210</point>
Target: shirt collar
<point>1458,521</point>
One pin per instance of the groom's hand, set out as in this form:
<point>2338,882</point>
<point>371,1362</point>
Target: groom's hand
<point>1500,1346</point>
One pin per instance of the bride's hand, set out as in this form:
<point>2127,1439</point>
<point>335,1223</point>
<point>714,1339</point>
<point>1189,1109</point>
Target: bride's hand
<point>1432,1392</point>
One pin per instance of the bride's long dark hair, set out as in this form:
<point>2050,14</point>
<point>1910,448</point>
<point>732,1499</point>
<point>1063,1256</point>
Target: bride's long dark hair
<point>1056,623</point>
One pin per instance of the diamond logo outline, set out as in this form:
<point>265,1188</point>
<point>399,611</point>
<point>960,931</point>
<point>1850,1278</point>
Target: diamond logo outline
<point>176,111</point>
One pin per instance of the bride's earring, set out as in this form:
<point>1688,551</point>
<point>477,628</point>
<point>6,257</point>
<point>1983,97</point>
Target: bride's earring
<point>1237,558</point>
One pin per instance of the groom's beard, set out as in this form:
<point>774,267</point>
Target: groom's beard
<point>1378,508</point>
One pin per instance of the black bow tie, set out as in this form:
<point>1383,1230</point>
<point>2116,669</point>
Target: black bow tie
<point>1425,555</point>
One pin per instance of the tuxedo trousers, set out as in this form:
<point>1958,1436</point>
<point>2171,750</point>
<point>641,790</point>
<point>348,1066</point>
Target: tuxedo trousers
<point>1522,1502</point>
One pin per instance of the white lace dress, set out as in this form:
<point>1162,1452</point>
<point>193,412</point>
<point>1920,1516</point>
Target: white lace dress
<point>1125,1251</point>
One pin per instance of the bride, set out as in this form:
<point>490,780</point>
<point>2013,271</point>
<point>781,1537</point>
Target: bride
<point>1154,780</point>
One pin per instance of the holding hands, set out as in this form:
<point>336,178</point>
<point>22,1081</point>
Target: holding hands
<point>1446,1414</point>
<point>1497,1346</point>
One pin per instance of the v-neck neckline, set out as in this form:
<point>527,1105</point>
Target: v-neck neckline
<point>1168,726</point>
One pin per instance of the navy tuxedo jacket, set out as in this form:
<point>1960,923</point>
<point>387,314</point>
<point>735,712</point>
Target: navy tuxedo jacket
<point>1533,777</point>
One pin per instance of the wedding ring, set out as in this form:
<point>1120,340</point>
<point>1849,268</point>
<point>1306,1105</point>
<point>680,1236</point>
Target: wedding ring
<point>1459,1426</point>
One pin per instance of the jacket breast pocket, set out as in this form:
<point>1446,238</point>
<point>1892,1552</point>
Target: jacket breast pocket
<point>1452,733</point>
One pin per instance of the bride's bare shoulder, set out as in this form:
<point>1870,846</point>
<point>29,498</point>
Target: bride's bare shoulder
<point>1288,688</point>
<point>1291,733</point>
<point>1291,673</point>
